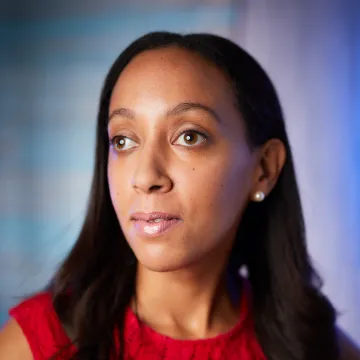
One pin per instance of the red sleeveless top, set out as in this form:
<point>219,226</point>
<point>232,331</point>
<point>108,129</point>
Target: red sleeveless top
<point>45,335</point>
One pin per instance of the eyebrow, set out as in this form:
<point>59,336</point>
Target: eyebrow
<point>176,110</point>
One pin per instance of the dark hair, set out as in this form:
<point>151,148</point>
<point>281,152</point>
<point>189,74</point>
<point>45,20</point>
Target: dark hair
<point>293,320</point>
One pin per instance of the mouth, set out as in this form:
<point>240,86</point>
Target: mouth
<point>154,224</point>
<point>153,217</point>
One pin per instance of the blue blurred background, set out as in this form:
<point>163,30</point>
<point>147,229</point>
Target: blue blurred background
<point>53,59</point>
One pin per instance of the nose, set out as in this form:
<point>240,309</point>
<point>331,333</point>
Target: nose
<point>150,174</point>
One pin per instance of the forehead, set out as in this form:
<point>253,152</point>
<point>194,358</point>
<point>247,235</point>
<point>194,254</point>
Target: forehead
<point>169,76</point>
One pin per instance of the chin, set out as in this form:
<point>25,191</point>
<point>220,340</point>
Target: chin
<point>160,268</point>
<point>162,264</point>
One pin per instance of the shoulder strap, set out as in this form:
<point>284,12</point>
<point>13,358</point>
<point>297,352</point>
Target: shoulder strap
<point>41,326</point>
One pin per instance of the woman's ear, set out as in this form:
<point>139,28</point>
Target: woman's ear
<point>271,160</point>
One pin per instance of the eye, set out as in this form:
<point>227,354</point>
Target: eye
<point>122,143</point>
<point>190,138</point>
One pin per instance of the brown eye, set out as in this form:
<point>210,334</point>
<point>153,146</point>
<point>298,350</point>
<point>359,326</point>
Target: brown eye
<point>121,143</point>
<point>190,138</point>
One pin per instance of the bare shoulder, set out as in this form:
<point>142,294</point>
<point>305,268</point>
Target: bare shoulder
<point>348,348</point>
<point>13,344</point>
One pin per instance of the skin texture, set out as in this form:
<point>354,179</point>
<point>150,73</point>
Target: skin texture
<point>195,182</point>
<point>206,181</point>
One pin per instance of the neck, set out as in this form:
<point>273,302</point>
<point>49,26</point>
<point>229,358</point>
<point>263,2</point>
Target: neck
<point>187,303</point>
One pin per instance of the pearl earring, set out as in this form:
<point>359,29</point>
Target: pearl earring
<point>259,196</point>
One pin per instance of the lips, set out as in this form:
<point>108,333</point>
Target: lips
<point>154,224</point>
<point>153,216</point>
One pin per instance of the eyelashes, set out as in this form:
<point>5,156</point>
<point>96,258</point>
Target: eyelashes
<point>191,138</point>
<point>187,139</point>
<point>119,143</point>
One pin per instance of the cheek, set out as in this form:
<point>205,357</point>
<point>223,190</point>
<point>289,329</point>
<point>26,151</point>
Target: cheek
<point>219,190</point>
<point>118,185</point>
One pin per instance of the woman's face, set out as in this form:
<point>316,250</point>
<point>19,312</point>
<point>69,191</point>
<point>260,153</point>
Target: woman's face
<point>180,171</point>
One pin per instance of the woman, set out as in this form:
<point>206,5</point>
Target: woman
<point>193,180</point>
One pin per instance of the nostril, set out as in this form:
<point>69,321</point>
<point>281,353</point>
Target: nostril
<point>155,187</point>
